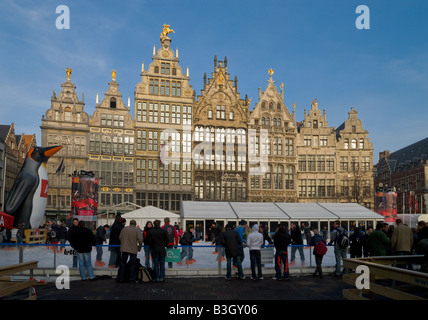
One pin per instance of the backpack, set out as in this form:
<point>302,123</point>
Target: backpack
<point>320,248</point>
<point>342,239</point>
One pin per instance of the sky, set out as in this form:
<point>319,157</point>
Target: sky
<point>313,46</point>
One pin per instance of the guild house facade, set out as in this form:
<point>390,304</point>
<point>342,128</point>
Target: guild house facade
<point>211,146</point>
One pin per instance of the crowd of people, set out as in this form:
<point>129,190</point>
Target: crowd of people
<point>126,241</point>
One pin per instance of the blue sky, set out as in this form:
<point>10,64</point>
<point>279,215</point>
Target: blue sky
<point>313,46</point>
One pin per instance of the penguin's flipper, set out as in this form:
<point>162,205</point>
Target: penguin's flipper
<point>24,183</point>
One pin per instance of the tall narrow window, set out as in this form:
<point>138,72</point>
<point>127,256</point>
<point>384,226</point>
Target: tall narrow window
<point>113,103</point>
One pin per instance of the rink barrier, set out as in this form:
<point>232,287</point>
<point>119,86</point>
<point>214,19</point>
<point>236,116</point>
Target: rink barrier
<point>219,270</point>
<point>386,279</point>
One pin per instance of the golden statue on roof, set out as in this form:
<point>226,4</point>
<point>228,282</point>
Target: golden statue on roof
<point>113,75</point>
<point>68,72</point>
<point>270,71</point>
<point>166,31</point>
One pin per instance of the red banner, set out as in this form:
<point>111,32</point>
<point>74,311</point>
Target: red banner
<point>6,220</point>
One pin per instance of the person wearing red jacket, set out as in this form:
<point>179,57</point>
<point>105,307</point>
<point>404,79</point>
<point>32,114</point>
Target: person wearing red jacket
<point>172,236</point>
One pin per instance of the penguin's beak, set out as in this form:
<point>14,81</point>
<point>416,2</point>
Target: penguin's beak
<point>50,151</point>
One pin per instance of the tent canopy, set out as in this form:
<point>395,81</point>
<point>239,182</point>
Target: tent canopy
<point>275,211</point>
<point>150,213</point>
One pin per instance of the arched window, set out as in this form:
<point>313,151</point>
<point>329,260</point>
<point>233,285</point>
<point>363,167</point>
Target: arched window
<point>67,114</point>
<point>354,144</point>
<point>278,122</point>
<point>113,103</point>
<point>263,121</point>
<point>263,105</point>
<point>267,121</point>
<point>274,122</point>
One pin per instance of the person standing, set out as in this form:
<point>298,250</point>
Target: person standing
<point>318,257</point>
<point>339,251</point>
<point>366,245</point>
<point>147,250</point>
<point>378,241</point>
<point>255,241</point>
<point>82,241</point>
<point>297,242</point>
<point>100,237</point>
<point>131,241</point>
<point>71,230</point>
<point>241,230</point>
<point>172,236</point>
<point>114,243</point>
<point>281,241</point>
<point>157,239</point>
<point>356,241</point>
<point>231,240</point>
<point>402,240</point>
<point>20,234</point>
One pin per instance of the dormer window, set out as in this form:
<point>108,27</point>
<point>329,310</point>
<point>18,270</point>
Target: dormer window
<point>113,103</point>
<point>315,124</point>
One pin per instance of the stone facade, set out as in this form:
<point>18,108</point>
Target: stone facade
<point>164,102</point>
<point>271,114</point>
<point>334,165</point>
<point>111,147</point>
<point>220,139</point>
<point>210,147</point>
<point>67,124</point>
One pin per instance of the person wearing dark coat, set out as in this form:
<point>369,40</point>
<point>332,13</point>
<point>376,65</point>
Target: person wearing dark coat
<point>356,242</point>
<point>281,241</point>
<point>297,242</point>
<point>231,241</point>
<point>114,243</point>
<point>100,237</point>
<point>157,239</point>
<point>422,232</point>
<point>83,240</point>
<point>187,241</point>
<point>74,226</point>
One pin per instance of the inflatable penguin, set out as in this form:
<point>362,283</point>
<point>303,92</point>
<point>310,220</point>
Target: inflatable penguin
<point>28,197</point>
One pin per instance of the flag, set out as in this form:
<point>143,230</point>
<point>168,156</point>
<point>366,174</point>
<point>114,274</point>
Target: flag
<point>416,204</point>
<point>60,168</point>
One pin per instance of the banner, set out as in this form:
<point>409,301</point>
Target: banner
<point>173,255</point>
<point>84,204</point>
<point>6,220</point>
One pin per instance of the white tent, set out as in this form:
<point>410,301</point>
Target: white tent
<point>144,214</point>
<point>150,213</point>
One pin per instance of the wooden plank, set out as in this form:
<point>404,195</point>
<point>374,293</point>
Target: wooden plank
<point>12,269</point>
<point>12,287</point>
<point>353,294</point>
<point>391,293</point>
